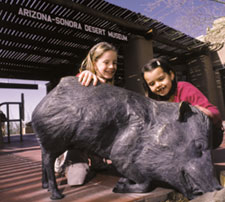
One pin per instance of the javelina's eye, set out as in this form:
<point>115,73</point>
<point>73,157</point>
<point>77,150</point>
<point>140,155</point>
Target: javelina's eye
<point>199,146</point>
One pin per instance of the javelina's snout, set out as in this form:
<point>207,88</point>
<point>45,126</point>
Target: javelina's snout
<point>199,176</point>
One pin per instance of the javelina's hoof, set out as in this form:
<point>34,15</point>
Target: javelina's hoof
<point>115,190</point>
<point>120,188</point>
<point>56,196</point>
<point>44,185</point>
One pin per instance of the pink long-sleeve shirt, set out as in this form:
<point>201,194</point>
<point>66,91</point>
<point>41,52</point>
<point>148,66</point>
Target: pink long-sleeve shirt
<point>187,92</point>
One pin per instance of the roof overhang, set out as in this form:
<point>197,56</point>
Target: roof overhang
<point>48,39</point>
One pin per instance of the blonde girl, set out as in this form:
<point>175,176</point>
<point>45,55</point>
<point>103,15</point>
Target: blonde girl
<point>100,64</point>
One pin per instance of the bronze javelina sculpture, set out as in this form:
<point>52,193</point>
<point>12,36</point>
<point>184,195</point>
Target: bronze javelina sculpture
<point>146,140</point>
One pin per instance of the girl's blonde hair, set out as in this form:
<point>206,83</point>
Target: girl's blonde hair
<point>94,54</point>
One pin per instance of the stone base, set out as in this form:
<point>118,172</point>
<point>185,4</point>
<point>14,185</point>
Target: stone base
<point>216,196</point>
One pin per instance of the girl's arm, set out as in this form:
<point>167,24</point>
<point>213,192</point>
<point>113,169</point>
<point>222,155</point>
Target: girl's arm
<point>188,92</point>
<point>206,111</point>
<point>213,113</point>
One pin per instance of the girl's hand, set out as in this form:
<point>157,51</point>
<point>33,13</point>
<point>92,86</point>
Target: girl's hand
<point>205,111</point>
<point>86,76</point>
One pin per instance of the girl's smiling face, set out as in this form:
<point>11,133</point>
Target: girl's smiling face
<point>106,65</point>
<point>159,81</point>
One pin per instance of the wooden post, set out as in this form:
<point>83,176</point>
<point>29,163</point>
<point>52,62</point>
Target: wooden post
<point>138,52</point>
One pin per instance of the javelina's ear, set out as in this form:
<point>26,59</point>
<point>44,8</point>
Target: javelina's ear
<point>184,111</point>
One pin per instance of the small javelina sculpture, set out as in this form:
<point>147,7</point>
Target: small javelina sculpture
<point>146,140</point>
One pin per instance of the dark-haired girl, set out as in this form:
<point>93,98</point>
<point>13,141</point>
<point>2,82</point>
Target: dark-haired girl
<point>160,84</point>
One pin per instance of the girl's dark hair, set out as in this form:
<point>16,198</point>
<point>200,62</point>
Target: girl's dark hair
<point>165,65</point>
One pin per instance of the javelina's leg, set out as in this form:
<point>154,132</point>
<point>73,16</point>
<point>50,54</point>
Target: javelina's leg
<point>44,172</point>
<point>48,168</point>
<point>124,185</point>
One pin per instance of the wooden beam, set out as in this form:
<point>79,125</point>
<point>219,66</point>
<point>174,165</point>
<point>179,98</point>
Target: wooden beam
<point>131,27</point>
<point>19,86</point>
<point>149,32</point>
